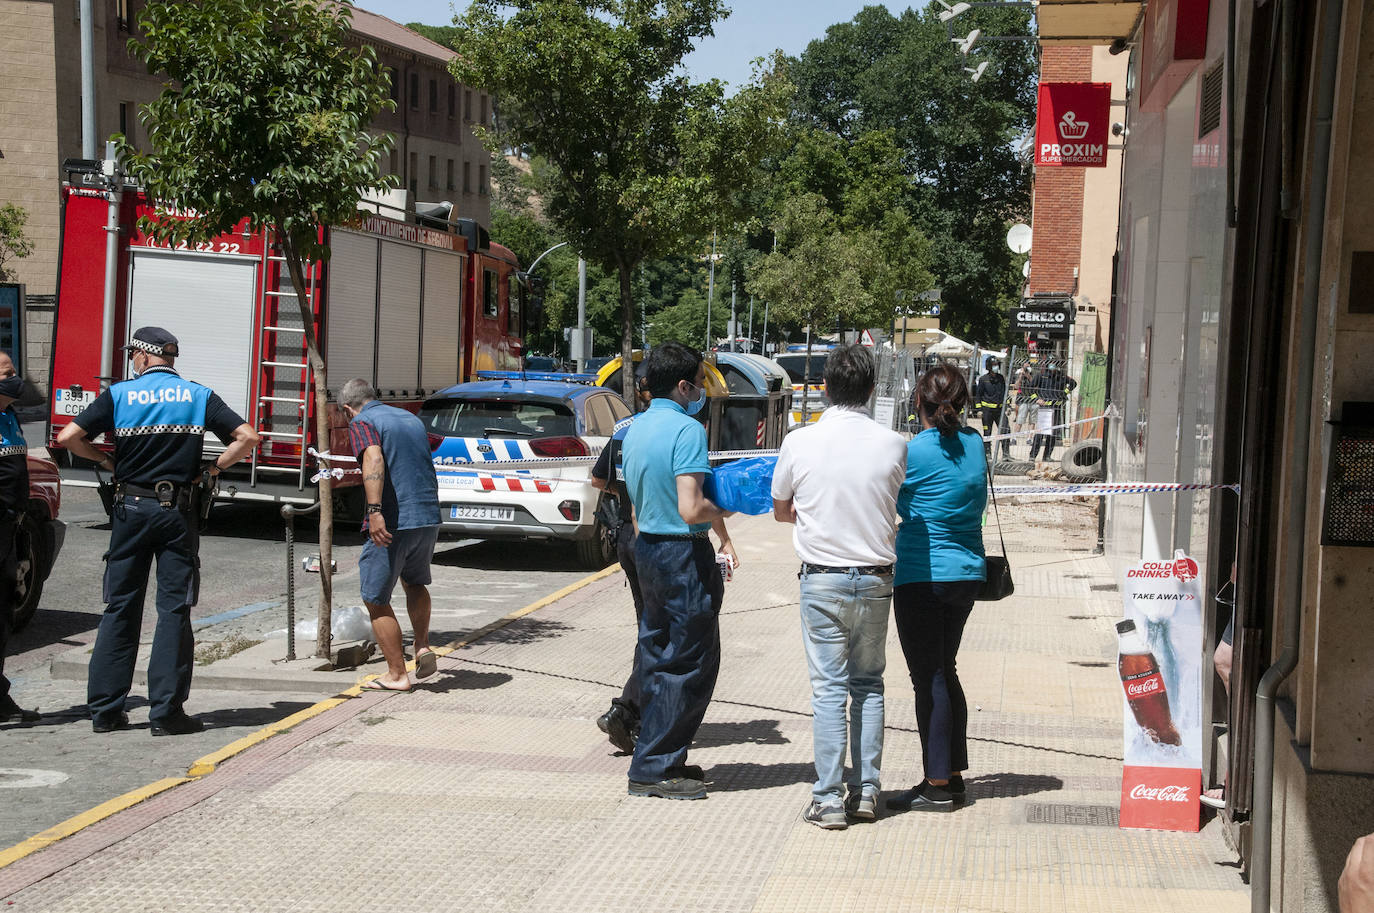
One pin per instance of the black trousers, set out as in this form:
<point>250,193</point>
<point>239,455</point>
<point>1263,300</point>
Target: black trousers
<point>930,624</point>
<point>141,531</point>
<point>625,549</point>
<point>8,523</point>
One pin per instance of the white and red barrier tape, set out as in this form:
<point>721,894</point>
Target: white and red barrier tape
<point>1109,488</point>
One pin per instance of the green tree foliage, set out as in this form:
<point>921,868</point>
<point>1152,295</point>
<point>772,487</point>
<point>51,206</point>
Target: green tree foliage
<point>263,117</point>
<point>14,244</point>
<point>642,159</point>
<point>956,138</point>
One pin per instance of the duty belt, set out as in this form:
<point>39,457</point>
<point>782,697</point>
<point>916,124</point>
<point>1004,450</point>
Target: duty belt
<point>868,570</point>
<point>168,493</point>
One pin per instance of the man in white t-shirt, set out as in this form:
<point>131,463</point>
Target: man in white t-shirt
<point>837,480</point>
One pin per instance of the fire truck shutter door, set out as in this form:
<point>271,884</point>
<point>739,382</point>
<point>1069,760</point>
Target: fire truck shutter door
<point>443,300</point>
<point>398,327</point>
<point>207,303</point>
<point>351,322</point>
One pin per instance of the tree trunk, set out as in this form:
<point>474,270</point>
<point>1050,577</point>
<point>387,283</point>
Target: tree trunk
<point>627,336</point>
<point>323,635</point>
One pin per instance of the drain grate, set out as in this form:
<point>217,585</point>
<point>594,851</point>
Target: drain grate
<point>1103,587</point>
<point>1086,815</point>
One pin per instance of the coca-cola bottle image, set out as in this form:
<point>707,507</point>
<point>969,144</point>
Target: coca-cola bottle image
<point>1144,686</point>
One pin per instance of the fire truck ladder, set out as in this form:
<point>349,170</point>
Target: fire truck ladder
<point>282,384</point>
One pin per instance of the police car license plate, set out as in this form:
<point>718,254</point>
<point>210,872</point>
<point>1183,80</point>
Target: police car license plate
<point>66,402</point>
<point>465,512</point>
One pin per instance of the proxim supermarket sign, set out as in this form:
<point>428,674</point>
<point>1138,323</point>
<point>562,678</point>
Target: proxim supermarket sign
<point>1071,122</point>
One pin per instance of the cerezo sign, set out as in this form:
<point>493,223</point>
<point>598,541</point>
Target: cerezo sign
<point>1051,320</point>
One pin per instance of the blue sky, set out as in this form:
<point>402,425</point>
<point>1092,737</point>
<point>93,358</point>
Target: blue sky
<point>755,28</point>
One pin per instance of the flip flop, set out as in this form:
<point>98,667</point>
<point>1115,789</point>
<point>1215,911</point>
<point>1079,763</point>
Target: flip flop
<point>426,664</point>
<point>376,685</point>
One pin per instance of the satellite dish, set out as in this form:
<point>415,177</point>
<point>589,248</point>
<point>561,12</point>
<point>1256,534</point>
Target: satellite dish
<point>1019,238</point>
<point>1025,269</point>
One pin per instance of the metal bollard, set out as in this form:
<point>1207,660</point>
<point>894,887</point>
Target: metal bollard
<point>289,512</point>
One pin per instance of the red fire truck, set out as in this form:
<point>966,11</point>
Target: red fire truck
<point>411,305</point>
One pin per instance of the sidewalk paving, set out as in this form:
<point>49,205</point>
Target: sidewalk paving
<point>492,789</point>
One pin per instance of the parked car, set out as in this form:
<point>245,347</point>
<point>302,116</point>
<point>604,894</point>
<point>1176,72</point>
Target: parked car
<point>37,540</point>
<point>510,419</point>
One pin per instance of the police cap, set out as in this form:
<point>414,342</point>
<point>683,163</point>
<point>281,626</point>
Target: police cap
<point>154,341</point>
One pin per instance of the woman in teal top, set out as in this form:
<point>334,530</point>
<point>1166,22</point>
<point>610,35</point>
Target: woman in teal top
<point>940,569</point>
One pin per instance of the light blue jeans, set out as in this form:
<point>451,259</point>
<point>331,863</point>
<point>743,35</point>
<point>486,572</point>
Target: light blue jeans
<point>844,620</point>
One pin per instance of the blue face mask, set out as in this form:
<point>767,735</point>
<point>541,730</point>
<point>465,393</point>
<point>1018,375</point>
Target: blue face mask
<point>695,405</point>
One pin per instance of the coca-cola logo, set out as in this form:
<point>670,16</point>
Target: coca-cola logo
<point>1170,793</point>
<point>1144,686</point>
<point>1185,569</point>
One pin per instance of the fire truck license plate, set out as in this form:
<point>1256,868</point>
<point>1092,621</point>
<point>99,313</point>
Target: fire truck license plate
<point>463,512</point>
<point>65,402</point>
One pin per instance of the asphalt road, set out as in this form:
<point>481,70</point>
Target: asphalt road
<point>59,768</point>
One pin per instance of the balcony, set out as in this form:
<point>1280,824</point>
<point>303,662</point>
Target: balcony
<point>1088,21</point>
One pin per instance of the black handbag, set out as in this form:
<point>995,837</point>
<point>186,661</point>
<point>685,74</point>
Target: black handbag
<point>998,584</point>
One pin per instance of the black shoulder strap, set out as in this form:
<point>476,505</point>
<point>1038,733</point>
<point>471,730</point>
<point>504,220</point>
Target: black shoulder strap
<point>992,493</point>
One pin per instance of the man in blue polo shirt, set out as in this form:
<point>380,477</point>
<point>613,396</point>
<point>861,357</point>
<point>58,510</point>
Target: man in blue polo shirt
<point>679,634</point>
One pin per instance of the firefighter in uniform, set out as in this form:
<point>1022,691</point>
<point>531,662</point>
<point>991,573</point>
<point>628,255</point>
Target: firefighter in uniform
<point>989,394</point>
<point>158,421</point>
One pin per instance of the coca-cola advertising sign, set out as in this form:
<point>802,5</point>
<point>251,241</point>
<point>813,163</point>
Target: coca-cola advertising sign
<point>1071,124</point>
<point>1160,666</point>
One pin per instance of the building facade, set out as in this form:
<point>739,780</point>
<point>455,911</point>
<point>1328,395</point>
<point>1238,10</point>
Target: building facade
<point>437,157</point>
<point>1240,354</point>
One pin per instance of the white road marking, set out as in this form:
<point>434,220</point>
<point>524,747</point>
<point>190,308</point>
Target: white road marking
<point>28,778</point>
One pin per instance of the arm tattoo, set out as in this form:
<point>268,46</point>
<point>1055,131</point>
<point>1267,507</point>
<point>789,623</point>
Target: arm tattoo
<point>374,476</point>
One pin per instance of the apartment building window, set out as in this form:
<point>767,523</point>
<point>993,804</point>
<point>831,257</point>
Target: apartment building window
<point>484,110</point>
<point>467,177</point>
<point>395,163</point>
<point>433,172</point>
<point>448,173</point>
<point>124,107</point>
<point>452,101</point>
<point>395,84</point>
<point>415,91</point>
<point>482,179</point>
<point>467,105</point>
<point>433,96</point>
<point>413,176</point>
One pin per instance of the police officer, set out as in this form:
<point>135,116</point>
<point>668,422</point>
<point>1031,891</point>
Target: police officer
<point>158,421</point>
<point>14,495</point>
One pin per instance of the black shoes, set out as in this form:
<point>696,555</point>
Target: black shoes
<point>957,789</point>
<point>620,727</point>
<point>671,788</point>
<point>177,724</point>
<point>110,723</point>
<point>923,797</point>
<point>13,713</point>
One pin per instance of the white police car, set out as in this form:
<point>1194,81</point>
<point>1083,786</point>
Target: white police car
<point>510,418</point>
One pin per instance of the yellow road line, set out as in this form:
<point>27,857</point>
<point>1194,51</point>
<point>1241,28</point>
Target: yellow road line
<point>87,818</point>
<point>206,765</point>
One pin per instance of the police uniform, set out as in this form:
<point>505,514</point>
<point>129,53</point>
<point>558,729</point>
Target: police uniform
<point>158,421</point>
